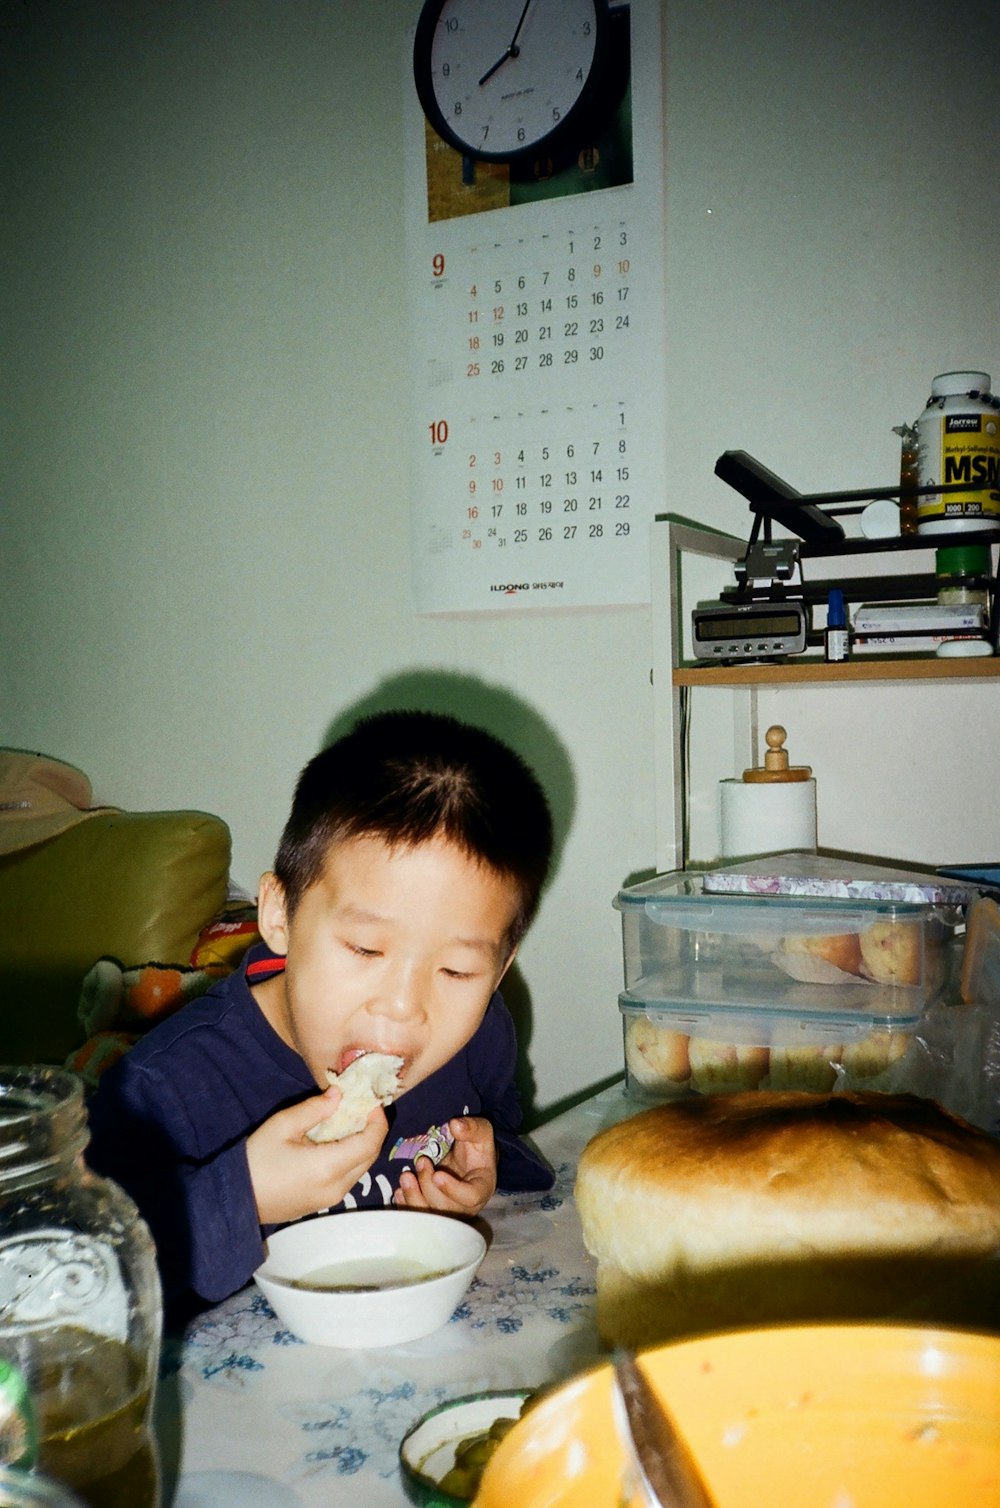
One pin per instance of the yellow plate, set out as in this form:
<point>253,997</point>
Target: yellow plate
<point>819,1416</point>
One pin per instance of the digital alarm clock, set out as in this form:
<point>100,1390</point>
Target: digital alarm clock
<point>755,630</point>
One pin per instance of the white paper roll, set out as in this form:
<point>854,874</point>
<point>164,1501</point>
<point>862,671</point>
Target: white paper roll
<point>766,817</point>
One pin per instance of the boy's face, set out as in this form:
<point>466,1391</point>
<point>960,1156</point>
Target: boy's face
<point>394,950</point>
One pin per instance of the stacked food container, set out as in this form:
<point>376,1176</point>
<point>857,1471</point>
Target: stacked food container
<point>791,972</point>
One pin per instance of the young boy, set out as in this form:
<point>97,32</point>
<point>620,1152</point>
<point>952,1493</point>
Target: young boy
<point>407,873</point>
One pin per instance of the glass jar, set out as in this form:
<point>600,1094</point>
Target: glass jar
<point>962,573</point>
<point>80,1304</point>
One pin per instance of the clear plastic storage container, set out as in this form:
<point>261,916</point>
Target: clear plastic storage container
<point>735,991</point>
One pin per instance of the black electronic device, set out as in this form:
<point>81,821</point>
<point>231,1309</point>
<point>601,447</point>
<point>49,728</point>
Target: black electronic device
<point>754,630</point>
<point>771,498</point>
<point>771,569</point>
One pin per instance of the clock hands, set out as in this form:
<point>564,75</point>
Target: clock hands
<point>498,64</point>
<point>517,30</point>
<point>511,51</point>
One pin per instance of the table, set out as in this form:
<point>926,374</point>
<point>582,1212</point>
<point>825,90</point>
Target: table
<point>249,1414</point>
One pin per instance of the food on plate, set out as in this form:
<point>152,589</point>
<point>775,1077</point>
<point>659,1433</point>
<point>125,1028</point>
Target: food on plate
<point>722,1067</point>
<point>736,1210</point>
<point>875,1053</point>
<point>812,1068</point>
<point>890,952</point>
<point>655,1056</point>
<point>472,1452</point>
<point>443,1454</point>
<point>370,1080</point>
<point>842,950</point>
<point>471,1456</point>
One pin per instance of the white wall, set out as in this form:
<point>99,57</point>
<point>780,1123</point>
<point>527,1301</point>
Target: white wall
<point>204,529</point>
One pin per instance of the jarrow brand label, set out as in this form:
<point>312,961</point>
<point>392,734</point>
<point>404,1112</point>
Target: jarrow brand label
<point>955,424</point>
<point>53,1278</point>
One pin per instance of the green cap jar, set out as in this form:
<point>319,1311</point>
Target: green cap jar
<point>962,572</point>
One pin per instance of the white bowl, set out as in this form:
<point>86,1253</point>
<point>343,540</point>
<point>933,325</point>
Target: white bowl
<point>418,1265</point>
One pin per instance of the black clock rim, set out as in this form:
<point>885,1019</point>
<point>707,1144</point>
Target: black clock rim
<point>588,98</point>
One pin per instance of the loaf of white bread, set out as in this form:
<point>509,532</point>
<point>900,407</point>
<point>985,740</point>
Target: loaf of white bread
<point>737,1210</point>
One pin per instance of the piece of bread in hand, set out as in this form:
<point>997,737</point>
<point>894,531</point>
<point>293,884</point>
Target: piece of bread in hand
<point>782,1207</point>
<point>372,1079</point>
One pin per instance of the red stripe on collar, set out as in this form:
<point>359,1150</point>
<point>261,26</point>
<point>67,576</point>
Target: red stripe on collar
<point>265,966</point>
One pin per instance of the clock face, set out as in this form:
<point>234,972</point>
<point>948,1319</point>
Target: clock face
<point>499,79</point>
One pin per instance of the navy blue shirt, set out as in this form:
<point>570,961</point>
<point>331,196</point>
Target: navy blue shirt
<point>169,1123</point>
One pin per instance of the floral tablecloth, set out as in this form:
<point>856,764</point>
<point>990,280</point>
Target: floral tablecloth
<point>249,1414</point>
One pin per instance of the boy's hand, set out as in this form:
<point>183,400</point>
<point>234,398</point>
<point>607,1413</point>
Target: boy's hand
<point>293,1176</point>
<point>464,1182</point>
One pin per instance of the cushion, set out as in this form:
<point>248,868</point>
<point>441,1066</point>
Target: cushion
<point>126,885</point>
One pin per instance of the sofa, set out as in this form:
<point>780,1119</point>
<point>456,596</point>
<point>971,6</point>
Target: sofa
<point>108,924</point>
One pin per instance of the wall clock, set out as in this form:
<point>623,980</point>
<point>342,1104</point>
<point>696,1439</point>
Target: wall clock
<point>504,80</point>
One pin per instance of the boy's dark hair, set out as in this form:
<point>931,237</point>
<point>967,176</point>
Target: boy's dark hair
<point>406,777</point>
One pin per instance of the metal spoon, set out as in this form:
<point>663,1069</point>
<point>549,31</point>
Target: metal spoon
<point>667,1470</point>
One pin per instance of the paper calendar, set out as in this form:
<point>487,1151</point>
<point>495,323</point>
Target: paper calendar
<point>537,362</point>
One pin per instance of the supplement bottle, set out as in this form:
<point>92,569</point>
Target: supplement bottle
<point>958,438</point>
<point>80,1305</point>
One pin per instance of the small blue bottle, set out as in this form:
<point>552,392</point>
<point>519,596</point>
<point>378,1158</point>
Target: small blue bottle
<point>836,638</point>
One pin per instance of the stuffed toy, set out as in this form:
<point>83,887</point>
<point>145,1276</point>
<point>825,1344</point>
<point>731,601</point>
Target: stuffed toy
<point>118,1003</point>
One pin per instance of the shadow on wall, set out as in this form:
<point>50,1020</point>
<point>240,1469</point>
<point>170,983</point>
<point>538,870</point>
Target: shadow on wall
<point>502,713</point>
